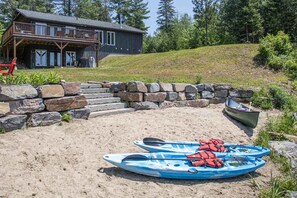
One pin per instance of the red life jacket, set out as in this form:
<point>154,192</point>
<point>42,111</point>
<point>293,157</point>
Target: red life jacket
<point>212,141</point>
<point>202,155</point>
<point>212,147</point>
<point>214,163</point>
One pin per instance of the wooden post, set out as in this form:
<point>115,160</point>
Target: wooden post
<point>61,47</point>
<point>7,54</point>
<point>14,47</point>
<point>97,54</point>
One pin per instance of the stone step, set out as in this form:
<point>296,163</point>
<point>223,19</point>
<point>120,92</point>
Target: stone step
<point>90,86</point>
<point>104,107</point>
<point>111,112</point>
<point>103,100</point>
<point>95,90</point>
<point>98,95</point>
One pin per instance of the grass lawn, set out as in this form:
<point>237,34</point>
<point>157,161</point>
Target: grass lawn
<point>216,64</point>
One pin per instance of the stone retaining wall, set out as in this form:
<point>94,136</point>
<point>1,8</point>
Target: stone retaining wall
<point>25,105</point>
<point>163,95</point>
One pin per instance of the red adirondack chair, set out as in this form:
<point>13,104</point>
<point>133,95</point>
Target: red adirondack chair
<point>10,66</point>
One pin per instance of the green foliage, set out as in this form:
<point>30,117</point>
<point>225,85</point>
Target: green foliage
<point>33,79</point>
<point>198,79</point>
<point>166,14</point>
<point>138,11</point>
<point>2,131</point>
<point>284,124</point>
<point>66,117</point>
<point>294,85</point>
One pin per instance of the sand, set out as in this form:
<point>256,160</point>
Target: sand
<point>65,160</point>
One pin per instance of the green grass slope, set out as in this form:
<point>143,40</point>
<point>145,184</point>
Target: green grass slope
<point>216,64</point>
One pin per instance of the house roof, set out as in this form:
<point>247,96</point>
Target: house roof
<point>76,21</point>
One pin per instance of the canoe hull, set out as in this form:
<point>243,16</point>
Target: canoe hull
<point>192,147</point>
<point>248,118</point>
<point>182,169</point>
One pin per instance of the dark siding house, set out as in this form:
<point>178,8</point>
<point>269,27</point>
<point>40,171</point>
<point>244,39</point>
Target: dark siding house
<point>42,40</point>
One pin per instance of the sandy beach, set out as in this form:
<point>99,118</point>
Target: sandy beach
<point>65,160</point>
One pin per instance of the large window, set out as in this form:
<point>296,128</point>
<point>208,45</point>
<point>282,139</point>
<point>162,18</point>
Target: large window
<point>40,28</point>
<point>101,36</point>
<point>110,38</point>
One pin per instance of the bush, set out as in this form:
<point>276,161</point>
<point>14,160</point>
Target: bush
<point>294,85</point>
<point>198,79</point>
<point>66,117</point>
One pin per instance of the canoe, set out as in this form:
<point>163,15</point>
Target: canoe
<point>241,113</point>
<point>157,145</point>
<point>176,166</point>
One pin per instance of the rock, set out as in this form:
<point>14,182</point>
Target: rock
<point>287,149</point>
<point>221,93</point>
<point>66,103</point>
<point>44,119</point>
<point>131,97</point>
<point>13,122</point>
<point>295,116</point>
<point>4,108</point>
<point>144,105</point>
<point>167,87</point>
<point>217,100</point>
<point>292,194</point>
<point>207,95</point>
<point>179,87</point>
<point>191,96</point>
<point>191,89</point>
<point>181,96</point>
<point>26,106</point>
<point>241,93</point>
<point>17,92</point>
<point>136,86</point>
<point>155,97</point>
<point>82,113</point>
<point>166,104</point>
<point>106,85</point>
<point>153,87</point>
<point>71,88</point>
<point>171,96</point>
<point>219,87</point>
<point>117,87</point>
<point>201,103</point>
<point>209,87</point>
<point>50,91</point>
<point>200,87</point>
<point>180,103</point>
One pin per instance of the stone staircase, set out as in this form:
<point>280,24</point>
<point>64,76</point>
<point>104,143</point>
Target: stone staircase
<point>101,102</point>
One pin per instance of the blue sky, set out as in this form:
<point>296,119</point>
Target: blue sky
<point>182,6</point>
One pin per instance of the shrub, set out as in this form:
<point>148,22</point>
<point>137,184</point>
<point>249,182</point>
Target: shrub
<point>66,117</point>
<point>294,85</point>
<point>198,79</point>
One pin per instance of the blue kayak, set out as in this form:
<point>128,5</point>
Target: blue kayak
<point>177,166</point>
<point>157,145</point>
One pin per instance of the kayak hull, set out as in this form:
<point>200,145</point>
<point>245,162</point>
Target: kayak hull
<point>192,147</point>
<point>183,169</point>
<point>248,118</point>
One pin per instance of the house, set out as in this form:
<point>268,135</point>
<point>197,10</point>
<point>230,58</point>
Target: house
<point>42,40</point>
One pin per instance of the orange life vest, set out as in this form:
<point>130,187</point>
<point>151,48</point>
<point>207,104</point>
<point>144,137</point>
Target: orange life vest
<point>214,163</point>
<point>212,147</point>
<point>212,141</point>
<point>202,155</point>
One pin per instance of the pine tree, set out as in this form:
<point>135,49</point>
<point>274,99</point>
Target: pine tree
<point>121,9</point>
<point>138,11</point>
<point>91,9</point>
<point>166,14</point>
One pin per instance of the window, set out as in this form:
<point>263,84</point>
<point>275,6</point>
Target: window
<point>40,28</point>
<point>101,37</point>
<point>70,31</point>
<point>110,38</point>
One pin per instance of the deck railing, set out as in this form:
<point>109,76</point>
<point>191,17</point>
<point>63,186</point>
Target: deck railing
<point>48,31</point>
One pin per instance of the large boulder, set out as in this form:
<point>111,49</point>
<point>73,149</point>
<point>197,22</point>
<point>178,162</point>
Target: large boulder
<point>71,88</point>
<point>217,100</point>
<point>180,103</point>
<point>201,103</point>
<point>50,91</point>
<point>144,105</point>
<point>241,93</point>
<point>287,149</point>
<point>4,108</point>
<point>153,87</point>
<point>155,97</point>
<point>219,87</point>
<point>209,87</point>
<point>17,92</point>
<point>26,106</point>
<point>207,95</point>
<point>179,87</point>
<point>166,87</point>
<point>191,89</point>
<point>136,86</point>
<point>82,113</point>
<point>118,86</point>
<point>131,97</point>
<point>13,122</point>
<point>171,96</point>
<point>166,104</point>
<point>191,96</point>
<point>66,103</point>
<point>200,87</point>
<point>221,93</point>
<point>44,119</point>
<point>181,96</point>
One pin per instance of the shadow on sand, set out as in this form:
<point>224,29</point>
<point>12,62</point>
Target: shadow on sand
<point>118,172</point>
<point>247,130</point>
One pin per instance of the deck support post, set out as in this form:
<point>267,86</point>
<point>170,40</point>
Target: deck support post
<point>7,54</point>
<point>14,47</point>
<point>61,47</point>
<point>97,54</point>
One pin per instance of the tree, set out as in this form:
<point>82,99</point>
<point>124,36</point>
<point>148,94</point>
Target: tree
<point>166,15</point>
<point>91,9</point>
<point>121,9</point>
<point>8,8</point>
<point>138,11</point>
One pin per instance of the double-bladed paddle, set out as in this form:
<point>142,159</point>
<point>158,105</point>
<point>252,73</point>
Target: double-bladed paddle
<point>158,142</point>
